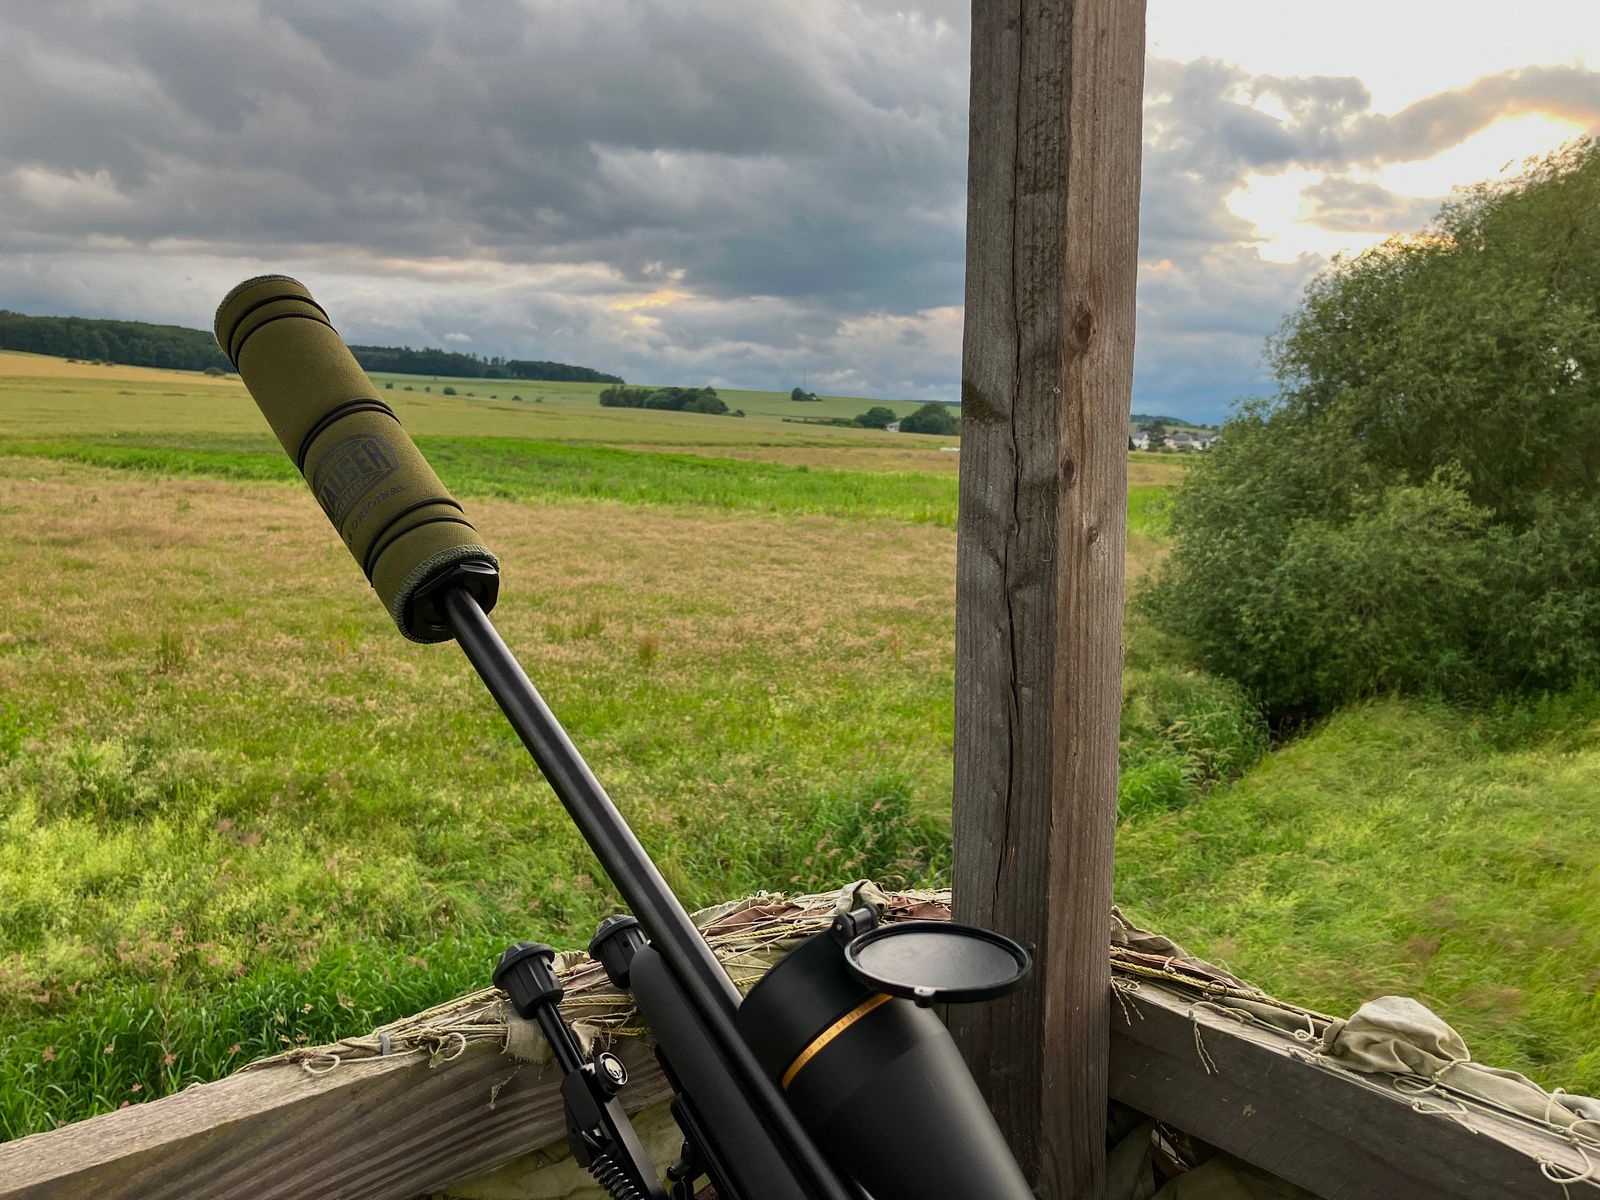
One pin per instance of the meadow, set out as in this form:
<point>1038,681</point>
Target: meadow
<point>238,812</point>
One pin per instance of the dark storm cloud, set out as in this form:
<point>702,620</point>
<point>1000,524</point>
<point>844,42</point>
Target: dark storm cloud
<point>750,149</point>
<point>785,179</point>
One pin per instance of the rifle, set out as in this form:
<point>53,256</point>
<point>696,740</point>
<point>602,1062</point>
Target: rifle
<point>833,1080</point>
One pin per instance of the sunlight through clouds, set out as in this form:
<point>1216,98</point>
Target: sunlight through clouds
<point>1274,207</point>
<point>1284,213</point>
<point>1497,150</point>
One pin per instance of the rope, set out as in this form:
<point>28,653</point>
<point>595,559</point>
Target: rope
<point>1124,990</point>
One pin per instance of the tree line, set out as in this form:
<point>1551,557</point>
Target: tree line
<point>175,347</point>
<point>402,360</point>
<point>134,343</point>
<point>1415,509</point>
<point>669,399</point>
<point>932,417</point>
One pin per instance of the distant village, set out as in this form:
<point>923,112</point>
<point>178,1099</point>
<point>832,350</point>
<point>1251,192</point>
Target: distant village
<point>1154,433</point>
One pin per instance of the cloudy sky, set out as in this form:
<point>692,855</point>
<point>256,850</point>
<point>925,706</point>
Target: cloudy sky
<point>690,191</point>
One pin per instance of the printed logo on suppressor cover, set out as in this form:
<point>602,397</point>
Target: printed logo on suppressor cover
<point>349,470</point>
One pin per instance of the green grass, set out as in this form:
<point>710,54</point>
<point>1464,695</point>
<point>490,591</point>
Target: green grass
<point>224,780</point>
<point>1404,848</point>
<point>508,468</point>
<point>515,469</point>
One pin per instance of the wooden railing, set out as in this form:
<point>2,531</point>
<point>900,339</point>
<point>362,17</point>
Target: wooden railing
<point>461,1092</point>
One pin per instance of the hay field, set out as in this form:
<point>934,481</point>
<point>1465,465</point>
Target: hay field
<point>227,780</point>
<point>241,812</point>
<point>43,396</point>
<point>238,811</point>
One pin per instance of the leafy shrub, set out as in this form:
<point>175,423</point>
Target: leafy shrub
<point>876,417</point>
<point>932,417</point>
<point>1183,730</point>
<point>445,391</point>
<point>1414,510</point>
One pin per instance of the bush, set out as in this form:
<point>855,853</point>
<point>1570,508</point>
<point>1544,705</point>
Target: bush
<point>214,372</point>
<point>932,417</point>
<point>446,391</point>
<point>1182,730</point>
<point>1414,510</point>
<point>876,417</point>
<point>670,399</point>
<point>1155,785</point>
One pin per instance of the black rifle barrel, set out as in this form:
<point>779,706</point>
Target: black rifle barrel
<point>671,931</point>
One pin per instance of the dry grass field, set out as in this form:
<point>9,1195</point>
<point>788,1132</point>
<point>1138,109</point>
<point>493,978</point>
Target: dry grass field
<point>239,812</point>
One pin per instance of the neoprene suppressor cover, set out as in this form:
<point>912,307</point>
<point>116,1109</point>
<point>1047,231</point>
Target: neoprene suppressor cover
<point>393,513</point>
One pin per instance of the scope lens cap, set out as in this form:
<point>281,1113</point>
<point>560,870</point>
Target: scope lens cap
<point>938,962</point>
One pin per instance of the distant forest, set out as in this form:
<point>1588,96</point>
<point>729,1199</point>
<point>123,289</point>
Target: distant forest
<point>132,342</point>
<point>448,362</point>
<point>138,344</point>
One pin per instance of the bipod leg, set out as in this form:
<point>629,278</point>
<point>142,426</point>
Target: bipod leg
<point>602,1138</point>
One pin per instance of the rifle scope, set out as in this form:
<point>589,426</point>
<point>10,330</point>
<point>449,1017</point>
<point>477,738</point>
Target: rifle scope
<point>838,1033</point>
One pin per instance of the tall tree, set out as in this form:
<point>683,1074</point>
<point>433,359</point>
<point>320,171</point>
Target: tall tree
<point>1415,507</point>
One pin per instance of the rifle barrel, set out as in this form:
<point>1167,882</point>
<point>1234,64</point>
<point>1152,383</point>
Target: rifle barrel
<point>664,919</point>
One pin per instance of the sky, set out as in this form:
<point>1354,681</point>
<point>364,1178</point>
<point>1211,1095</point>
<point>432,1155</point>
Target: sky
<point>713,191</point>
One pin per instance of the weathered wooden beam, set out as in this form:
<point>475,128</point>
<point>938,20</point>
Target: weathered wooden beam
<point>1052,230</point>
<point>397,1127</point>
<point>1339,1135</point>
<point>376,1129</point>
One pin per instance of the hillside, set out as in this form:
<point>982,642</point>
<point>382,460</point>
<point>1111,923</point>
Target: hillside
<point>174,347</point>
<point>1138,421</point>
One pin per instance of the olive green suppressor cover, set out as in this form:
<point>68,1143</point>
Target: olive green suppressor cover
<point>387,504</point>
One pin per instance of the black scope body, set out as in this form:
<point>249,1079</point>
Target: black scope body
<point>877,1081</point>
<point>398,520</point>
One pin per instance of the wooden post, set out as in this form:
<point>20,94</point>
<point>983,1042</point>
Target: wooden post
<point>1052,235</point>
